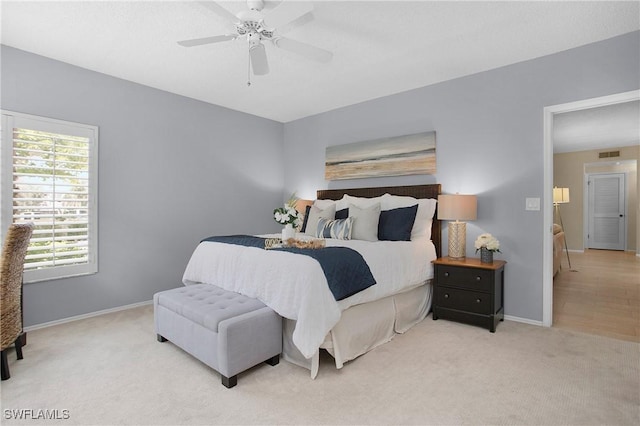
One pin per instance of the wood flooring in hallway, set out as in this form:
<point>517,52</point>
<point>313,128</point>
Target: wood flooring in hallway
<point>600,294</point>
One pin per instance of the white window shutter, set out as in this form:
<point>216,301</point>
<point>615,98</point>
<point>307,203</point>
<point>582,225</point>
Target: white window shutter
<point>53,183</point>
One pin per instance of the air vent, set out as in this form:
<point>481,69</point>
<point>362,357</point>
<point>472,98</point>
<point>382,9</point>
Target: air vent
<point>609,154</point>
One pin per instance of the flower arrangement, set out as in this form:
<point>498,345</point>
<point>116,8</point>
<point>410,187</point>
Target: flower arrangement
<point>487,241</point>
<point>288,215</point>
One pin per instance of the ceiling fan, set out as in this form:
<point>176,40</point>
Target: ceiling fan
<point>257,27</point>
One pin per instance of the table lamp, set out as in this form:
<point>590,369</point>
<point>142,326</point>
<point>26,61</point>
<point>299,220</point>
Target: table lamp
<point>561,196</point>
<point>457,208</point>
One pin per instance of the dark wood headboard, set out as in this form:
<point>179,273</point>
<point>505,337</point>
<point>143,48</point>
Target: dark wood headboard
<point>416,191</point>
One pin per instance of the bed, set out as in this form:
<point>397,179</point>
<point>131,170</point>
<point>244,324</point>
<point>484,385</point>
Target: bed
<point>296,287</point>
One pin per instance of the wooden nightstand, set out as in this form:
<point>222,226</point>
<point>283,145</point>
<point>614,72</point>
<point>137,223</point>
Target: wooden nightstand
<point>469,291</point>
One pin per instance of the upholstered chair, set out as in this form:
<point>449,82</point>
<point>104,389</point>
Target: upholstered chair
<point>11,269</point>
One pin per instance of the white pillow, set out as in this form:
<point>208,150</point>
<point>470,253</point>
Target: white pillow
<point>424,216</point>
<point>315,214</point>
<point>365,222</point>
<point>361,202</point>
<point>323,204</point>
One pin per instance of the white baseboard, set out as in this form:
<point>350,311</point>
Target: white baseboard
<point>85,316</point>
<point>149,302</point>
<point>523,320</point>
<point>576,251</point>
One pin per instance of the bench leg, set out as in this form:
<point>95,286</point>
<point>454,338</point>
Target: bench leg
<point>273,360</point>
<point>160,338</point>
<point>18,344</point>
<point>229,382</point>
<point>5,366</point>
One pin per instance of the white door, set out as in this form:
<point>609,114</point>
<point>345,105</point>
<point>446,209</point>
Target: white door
<point>606,211</point>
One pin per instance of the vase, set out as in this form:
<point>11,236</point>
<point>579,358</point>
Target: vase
<point>486,255</point>
<point>288,232</point>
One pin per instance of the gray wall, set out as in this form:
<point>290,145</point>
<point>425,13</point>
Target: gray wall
<point>172,171</point>
<point>489,137</point>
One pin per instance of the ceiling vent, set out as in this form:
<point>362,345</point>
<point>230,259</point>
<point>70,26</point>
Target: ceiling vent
<point>609,154</point>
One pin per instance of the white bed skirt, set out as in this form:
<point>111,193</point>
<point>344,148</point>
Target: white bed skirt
<point>363,327</point>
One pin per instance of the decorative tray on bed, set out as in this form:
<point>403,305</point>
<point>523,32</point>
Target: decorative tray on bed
<point>271,243</point>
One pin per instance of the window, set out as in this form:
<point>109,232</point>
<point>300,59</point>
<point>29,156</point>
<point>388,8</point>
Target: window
<point>49,177</point>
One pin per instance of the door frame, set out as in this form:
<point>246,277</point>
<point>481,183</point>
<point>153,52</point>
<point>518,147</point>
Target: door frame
<point>547,216</point>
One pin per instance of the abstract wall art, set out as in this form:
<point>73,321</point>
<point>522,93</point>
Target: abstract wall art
<point>396,156</point>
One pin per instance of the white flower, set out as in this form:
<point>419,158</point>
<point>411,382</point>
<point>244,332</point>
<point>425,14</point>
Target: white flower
<point>487,241</point>
<point>291,211</point>
<point>288,214</point>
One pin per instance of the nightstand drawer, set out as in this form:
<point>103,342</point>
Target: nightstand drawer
<point>463,300</point>
<point>471,278</point>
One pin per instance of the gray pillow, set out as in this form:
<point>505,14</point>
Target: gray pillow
<point>315,214</point>
<point>365,223</point>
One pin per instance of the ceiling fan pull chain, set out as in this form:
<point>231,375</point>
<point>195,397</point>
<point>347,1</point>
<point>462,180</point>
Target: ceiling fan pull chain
<point>249,69</point>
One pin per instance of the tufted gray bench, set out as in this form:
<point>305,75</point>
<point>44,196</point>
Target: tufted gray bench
<point>227,331</point>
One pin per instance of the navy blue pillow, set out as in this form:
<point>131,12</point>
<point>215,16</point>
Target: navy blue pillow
<point>306,218</point>
<point>342,214</point>
<point>396,224</point>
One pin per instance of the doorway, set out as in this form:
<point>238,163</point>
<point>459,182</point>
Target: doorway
<point>606,211</point>
<point>548,114</point>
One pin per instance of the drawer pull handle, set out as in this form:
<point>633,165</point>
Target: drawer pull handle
<point>478,300</point>
<point>446,295</point>
<point>478,278</point>
<point>446,274</point>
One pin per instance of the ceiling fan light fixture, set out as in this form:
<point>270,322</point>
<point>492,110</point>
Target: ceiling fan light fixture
<point>251,23</point>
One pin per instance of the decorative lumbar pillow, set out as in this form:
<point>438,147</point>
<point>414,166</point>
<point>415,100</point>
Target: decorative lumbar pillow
<point>365,224</point>
<point>316,214</point>
<point>396,224</point>
<point>339,229</point>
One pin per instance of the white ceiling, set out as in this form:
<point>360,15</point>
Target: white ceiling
<point>610,126</point>
<point>379,47</point>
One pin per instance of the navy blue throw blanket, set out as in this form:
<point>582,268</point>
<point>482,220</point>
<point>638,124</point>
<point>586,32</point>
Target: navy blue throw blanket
<point>346,271</point>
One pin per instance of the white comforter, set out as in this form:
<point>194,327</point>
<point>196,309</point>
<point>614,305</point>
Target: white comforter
<point>295,286</point>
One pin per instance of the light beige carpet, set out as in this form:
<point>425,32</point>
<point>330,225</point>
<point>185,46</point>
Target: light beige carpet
<point>111,370</point>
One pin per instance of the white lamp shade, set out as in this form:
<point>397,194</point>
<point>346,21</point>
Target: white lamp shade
<point>457,207</point>
<point>560,195</point>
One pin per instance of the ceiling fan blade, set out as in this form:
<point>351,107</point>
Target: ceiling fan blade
<point>304,49</point>
<point>286,12</point>
<point>259,60</point>
<point>220,11</point>
<point>206,40</point>
<point>298,22</point>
